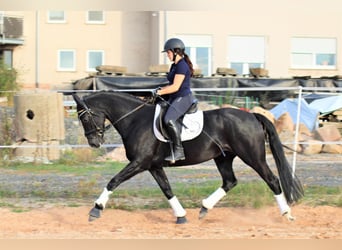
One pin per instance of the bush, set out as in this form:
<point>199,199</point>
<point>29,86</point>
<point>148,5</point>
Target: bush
<point>8,81</point>
<point>8,86</point>
<point>6,132</point>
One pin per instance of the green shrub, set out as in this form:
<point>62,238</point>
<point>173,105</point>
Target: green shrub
<point>6,132</point>
<point>8,81</point>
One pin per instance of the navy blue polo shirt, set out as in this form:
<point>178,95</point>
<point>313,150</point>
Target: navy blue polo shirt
<point>181,68</point>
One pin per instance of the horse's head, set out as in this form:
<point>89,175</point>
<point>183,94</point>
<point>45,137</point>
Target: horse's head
<point>93,122</point>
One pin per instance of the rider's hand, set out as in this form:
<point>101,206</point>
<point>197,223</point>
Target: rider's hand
<point>155,93</point>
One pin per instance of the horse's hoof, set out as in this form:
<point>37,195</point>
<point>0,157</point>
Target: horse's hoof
<point>95,213</point>
<point>203,213</point>
<point>92,218</point>
<point>181,220</point>
<point>289,217</point>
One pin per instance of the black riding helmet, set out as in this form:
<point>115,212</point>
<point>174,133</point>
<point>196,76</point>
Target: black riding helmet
<point>172,44</point>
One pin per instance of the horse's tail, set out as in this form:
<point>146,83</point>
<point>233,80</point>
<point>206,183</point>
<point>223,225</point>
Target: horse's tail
<point>291,185</point>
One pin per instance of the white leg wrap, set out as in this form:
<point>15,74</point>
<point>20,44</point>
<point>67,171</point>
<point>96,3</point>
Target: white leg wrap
<point>102,200</point>
<point>282,203</point>
<point>211,201</point>
<point>178,210</point>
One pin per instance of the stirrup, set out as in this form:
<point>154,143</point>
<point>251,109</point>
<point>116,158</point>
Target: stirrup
<point>179,155</point>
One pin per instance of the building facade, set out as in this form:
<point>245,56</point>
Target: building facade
<point>57,47</point>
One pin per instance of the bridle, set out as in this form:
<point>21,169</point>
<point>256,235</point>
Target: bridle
<point>97,128</point>
<point>99,131</point>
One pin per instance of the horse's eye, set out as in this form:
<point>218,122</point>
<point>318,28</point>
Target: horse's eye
<point>86,119</point>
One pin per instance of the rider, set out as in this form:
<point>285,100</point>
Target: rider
<point>180,97</point>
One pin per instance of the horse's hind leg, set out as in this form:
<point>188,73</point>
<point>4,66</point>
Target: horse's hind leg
<point>225,167</point>
<point>264,171</point>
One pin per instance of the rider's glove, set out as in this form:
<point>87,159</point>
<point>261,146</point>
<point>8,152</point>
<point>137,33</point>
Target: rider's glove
<point>155,93</point>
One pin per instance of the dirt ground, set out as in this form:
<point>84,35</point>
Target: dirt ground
<point>58,222</point>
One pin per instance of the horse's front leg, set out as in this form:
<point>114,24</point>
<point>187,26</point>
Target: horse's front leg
<point>126,173</point>
<point>163,182</point>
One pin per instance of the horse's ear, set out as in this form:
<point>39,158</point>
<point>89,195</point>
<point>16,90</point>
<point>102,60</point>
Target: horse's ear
<point>78,100</point>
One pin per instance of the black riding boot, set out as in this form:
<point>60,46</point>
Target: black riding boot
<point>178,152</point>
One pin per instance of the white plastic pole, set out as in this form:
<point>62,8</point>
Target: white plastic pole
<point>295,143</point>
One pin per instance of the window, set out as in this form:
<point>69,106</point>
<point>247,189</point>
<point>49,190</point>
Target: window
<point>314,53</point>
<point>94,58</point>
<point>66,60</point>
<point>1,17</point>
<point>245,52</point>
<point>199,49</point>
<point>1,23</point>
<point>7,57</point>
<point>96,17</point>
<point>56,16</point>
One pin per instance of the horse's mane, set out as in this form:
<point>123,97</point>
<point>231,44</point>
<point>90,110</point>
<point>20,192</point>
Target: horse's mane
<point>113,93</point>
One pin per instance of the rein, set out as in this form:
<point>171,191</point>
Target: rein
<point>130,112</point>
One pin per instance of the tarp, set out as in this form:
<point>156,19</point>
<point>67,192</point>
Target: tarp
<point>308,115</point>
<point>328,104</point>
<point>132,82</point>
<point>151,82</point>
<point>313,96</point>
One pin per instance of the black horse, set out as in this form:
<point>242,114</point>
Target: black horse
<point>227,133</point>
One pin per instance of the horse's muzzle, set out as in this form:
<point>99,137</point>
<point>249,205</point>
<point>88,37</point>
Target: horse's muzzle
<point>95,142</point>
<point>94,145</point>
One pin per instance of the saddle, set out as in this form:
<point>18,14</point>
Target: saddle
<point>191,122</point>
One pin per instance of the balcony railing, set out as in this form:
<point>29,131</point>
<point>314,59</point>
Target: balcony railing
<point>11,29</point>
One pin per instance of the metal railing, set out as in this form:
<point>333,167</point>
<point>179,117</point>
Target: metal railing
<point>297,90</point>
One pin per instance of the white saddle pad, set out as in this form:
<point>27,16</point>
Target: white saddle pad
<point>193,125</point>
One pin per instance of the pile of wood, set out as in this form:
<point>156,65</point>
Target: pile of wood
<point>337,114</point>
<point>158,70</point>
<point>222,71</point>
<point>111,70</point>
<point>258,72</point>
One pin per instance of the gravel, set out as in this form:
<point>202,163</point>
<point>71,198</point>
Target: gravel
<point>318,170</point>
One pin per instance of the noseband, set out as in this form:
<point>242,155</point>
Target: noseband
<point>99,131</point>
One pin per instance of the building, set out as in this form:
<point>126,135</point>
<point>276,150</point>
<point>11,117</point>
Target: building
<point>57,47</point>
